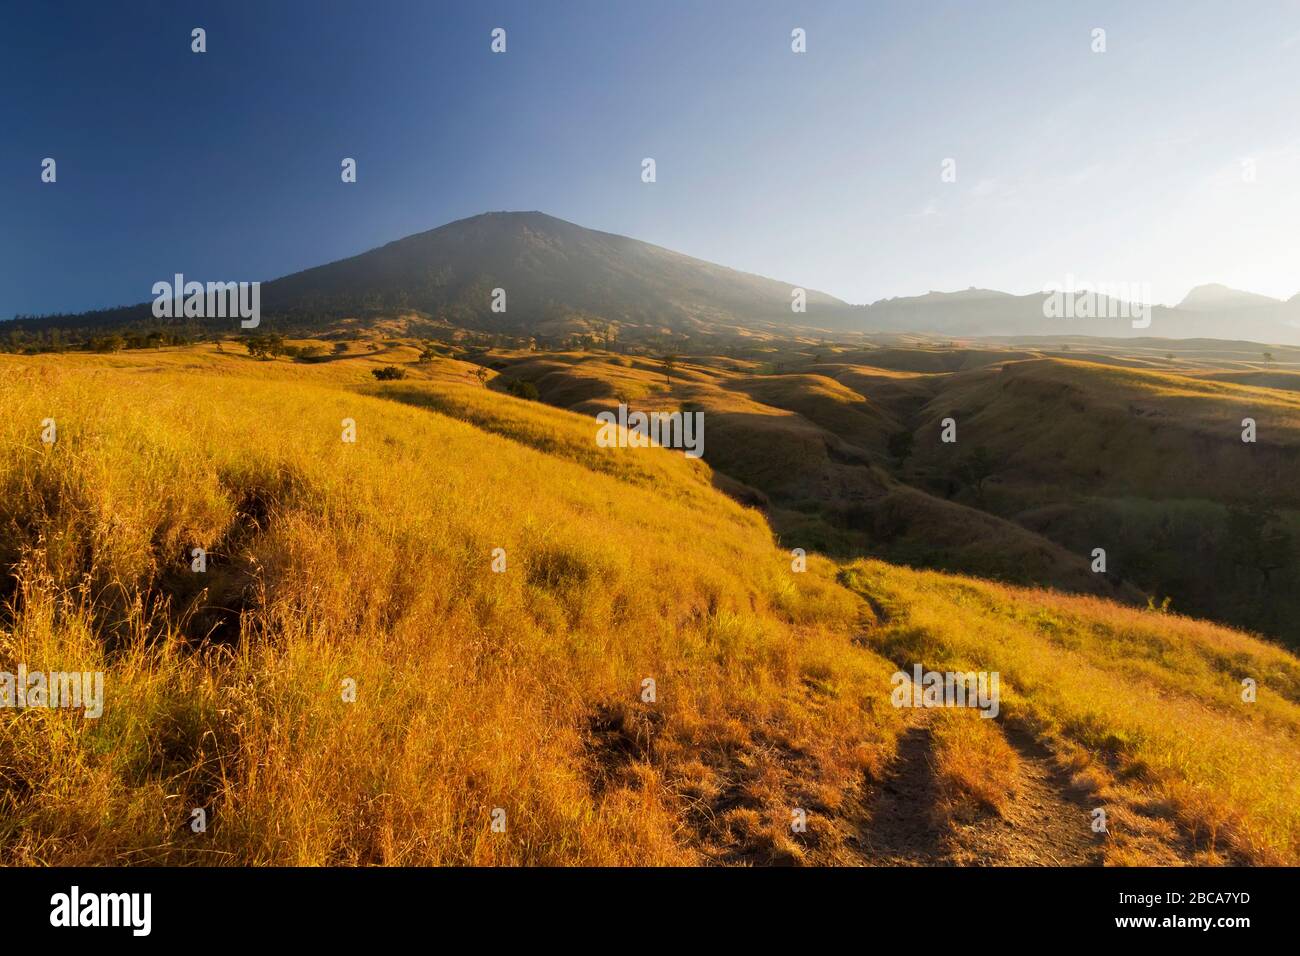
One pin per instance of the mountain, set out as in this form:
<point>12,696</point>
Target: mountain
<point>1212,312</point>
<point>1215,297</point>
<point>553,272</point>
<point>560,278</point>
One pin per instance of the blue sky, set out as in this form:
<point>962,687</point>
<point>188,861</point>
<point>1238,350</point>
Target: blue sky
<point>822,169</point>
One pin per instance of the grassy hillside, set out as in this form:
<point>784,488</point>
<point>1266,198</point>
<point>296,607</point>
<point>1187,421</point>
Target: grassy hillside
<point>372,562</point>
<point>1144,709</point>
<point>813,449</point>
<point>1110,430</point>
<point>523,690</point>
<point>1149,465</point>
<point>1054,457</point>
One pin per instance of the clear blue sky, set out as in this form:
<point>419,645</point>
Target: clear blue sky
<point>822,169</point>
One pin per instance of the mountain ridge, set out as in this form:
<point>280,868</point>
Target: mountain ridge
<point>559,278</point>
<point>1215,295</point>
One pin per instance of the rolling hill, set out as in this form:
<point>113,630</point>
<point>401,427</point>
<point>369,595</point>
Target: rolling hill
<point>1141,457</point>
<point>646,679</point>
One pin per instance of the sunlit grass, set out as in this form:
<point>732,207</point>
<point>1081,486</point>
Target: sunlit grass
<point>371,563</point>
<point>1144,697</point>
<point>335,564</point>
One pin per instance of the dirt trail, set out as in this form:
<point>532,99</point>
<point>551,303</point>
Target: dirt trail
<point>1045,823</point>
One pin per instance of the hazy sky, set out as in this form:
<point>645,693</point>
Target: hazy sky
<point>822,168</point>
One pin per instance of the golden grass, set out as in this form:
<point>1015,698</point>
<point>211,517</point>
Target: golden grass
<point>975,767</point>
<point>813,447</point>
<point>370,562</point>
<point>1141,700</point>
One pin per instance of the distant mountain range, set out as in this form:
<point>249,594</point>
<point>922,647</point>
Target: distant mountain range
<point>1208,311</point>
<point>560,277</point>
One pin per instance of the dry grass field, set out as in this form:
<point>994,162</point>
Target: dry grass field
<point>521,695</point>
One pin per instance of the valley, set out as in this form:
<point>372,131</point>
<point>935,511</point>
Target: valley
<point>1055,456</point>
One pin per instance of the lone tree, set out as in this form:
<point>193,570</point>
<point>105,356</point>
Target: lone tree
<point>1268,357</point>
<point>1258,541</point>
<point>669,363</point>
<point>265,346</point>
<point>481,374</point>
<point>900,445</point>
<point>389,373</point>
<point>976,469</point>
<point>521,389</point>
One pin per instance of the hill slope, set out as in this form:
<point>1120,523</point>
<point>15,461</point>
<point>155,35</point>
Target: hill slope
<point>337,567</point>
<point>1055,457</point>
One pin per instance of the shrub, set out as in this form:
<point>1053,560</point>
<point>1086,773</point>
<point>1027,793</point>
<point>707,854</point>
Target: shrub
<point>521,389</point>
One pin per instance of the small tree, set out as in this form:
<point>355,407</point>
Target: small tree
<point>340,348</point>
<point>389,373</point>
<point>521,389</point>
<point>481,374</point>
<point>1268,357</point>
<point>669,363</point>
<point>976,469</point>
<point>1257,540</point>
<point>265,346</point>
<point>900,445</point>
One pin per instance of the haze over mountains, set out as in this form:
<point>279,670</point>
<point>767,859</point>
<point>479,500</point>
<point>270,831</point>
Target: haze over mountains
<point>1208,311</point>
<point>559,276</point>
